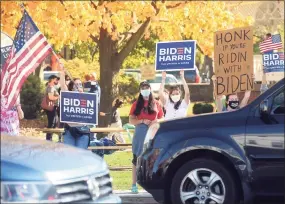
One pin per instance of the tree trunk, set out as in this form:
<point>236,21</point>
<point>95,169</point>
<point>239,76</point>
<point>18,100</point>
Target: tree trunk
<point>108,69</point>
<point>110,63</point>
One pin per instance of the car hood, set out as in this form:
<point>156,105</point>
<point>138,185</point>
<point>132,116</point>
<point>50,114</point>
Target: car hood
<point>24,158</point>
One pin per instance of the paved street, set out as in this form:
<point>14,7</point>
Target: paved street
<point>145,198</point>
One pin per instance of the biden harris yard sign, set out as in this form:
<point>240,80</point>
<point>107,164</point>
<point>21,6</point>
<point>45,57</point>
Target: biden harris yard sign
<point>273,62</point>
<point>176,55</point>
<point>78,108</point>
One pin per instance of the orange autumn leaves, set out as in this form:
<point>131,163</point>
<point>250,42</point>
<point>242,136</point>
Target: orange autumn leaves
<point>67,22</point>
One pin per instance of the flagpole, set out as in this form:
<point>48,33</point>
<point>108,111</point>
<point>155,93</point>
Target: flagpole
<point>61,65</point>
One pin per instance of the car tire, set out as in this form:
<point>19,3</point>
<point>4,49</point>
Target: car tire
<point>223,183</point>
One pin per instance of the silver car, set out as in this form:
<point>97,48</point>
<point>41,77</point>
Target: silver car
<point>37,171</point>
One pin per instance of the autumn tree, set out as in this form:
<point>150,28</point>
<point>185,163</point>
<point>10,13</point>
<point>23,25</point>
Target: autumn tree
<point>117,26</point>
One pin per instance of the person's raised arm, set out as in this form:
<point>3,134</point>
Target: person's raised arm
<point>246,95</point>
<point>62,81</point>
<point>163,97</point>
<point>219,99</point>
<point>186,88</point>
<point>245,99</point>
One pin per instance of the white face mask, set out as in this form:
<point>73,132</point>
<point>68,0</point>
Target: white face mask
<point>175,98</point>
<point>145,93</point>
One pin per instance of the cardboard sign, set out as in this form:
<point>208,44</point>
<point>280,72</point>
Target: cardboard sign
<point>176,55</point>
<point>147,72</point>
<point>78,108</point>
<point>273,62</point>
<point>233,57</point>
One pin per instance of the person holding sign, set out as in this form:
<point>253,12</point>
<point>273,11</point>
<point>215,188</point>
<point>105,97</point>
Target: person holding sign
<point>75,134</point>
<point>174,105</point>
<point>232,101</point>
<point>144,112</point>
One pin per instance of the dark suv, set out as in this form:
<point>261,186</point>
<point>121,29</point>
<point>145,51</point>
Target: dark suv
<point>224,157</point>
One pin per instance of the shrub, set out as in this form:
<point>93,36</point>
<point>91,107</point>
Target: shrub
<point>200,108</point>
<point>31,97</point>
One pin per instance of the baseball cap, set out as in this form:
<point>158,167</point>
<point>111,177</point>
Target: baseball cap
<point>144,83</point>
<point>53,77</point>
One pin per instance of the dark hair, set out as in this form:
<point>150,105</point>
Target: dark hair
<point>47,68</point>
<point>175,88</point>
<point>67,77</point>
<point>227,98</point>
<point>140,105</point>
<point>51,77</point>
<point>118,103</point>
<point>268,35</point>
<point>71,84</point>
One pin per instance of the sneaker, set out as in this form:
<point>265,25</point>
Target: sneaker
<point>135,189</point>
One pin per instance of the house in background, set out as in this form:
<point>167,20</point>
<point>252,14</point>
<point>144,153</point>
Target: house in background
<point>51,64</point>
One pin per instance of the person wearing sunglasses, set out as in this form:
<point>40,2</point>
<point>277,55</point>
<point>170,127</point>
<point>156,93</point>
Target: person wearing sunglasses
<point>144,112</point>
<point>75,134</point>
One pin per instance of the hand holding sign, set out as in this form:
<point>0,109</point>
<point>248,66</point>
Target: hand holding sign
<point>163,75</point>
<point>182,74</point>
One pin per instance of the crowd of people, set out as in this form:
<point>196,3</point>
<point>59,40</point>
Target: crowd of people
<point>145,111</point>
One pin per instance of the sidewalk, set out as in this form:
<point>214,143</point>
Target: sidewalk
<point>142,197</point>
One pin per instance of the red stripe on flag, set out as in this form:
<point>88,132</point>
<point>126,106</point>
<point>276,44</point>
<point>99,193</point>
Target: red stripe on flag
<point>14,75</point>
<point>27,74</point>
<point>28,48</point>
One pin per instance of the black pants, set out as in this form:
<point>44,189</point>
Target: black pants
<point>52,121</point>
<point>61,125</point>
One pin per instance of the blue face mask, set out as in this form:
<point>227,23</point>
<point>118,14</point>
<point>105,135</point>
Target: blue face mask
<point>145,93</point>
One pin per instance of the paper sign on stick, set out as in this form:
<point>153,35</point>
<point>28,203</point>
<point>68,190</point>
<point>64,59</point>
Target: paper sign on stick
<point>233,57</point>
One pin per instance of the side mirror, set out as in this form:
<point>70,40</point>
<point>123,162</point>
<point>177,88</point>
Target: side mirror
<point>263,108</point>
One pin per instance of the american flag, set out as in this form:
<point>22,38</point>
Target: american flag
<point>30,48</point>
<point>271,43</point>
<point>180,51</point>
<point>281,55</point>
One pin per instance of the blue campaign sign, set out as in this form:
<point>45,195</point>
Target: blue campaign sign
<point>176,55</point>
<point>78,108</point>
<point>273,62</point>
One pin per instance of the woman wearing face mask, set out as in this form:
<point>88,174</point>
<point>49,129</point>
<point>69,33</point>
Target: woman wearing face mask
<point>75,134</point>
<point>174,105</point>
<point>232,101</point>
<point>144,112</point>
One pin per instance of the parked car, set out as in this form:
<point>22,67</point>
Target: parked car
<point>219,157</point>
<point>191,76</point>
<point>156,82</point>
<point>36,171</point>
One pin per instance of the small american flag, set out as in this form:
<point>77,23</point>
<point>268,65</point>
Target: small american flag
<point>272,43</point>
<point>30,48</point>
<point>180,50</point>
<point>281,55</point>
